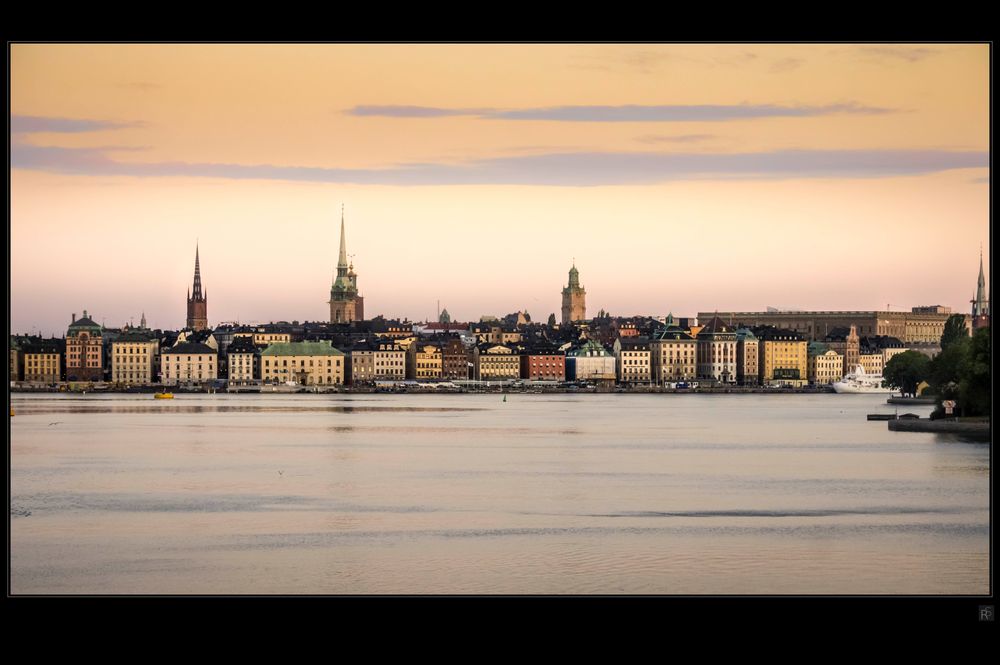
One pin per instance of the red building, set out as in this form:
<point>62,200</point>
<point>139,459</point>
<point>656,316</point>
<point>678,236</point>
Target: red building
<point>84,346</point>
<point>543,364</point>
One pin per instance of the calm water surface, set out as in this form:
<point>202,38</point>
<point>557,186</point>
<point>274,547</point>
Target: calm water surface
<point>663,494</point>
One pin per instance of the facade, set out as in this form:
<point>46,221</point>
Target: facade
<point>873,363</point>
<point>377,360</point>
<point>424,361</point>
<point>846,342</point>
<point>303,364</point>
<point>344,291</point>
<point>717,352</point>
<point>262,338</point>
<point>496,362</point>
<point>43,361</point>
<point>590,361</point>
<point>15,370</point>
<point>135,359</point>
<point>632,359</point>
<point>784,359</point>
<point>543,363</point>
<point>747,357</point>
<point>197,302</point>
<point>672,355</point>
<point>918,325</point>
<point>188,362</point>
<point>84,350</point>
<point>574,298</point>
<point>825,364</point>
<point>454,359</point>
<point>243,362</point>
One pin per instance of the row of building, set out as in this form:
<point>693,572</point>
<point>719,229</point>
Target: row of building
<point>631,351</point>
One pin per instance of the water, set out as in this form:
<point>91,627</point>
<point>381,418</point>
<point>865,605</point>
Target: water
<point>555,494</point>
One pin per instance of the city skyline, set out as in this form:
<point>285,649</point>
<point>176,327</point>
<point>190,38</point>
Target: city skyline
<point>802,176</point>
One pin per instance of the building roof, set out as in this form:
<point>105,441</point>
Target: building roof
<point>134,337</point>
<point>84,322</point>
<point>321,348</point>
<point>190,348</point>
<point>242,345</point>
<point>817,348</point>
<point>672,333</point>
<point>768,333</point>
<point>745,334</point>
<point>714,327</point>
<point>634,343</point>
<point>589,348</point>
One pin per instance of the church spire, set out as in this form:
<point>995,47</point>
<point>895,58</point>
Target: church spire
<point>196,292</point>
<point>981,304</point>
<point>342,261</point>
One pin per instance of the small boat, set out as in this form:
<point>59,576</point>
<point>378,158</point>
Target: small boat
<point>163,396</point>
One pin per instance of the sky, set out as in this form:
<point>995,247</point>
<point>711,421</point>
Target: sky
<point>678,178</point>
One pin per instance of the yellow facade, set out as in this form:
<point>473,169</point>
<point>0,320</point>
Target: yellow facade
<point>825,368</point>
<point>271,338</point>
<point>319,370</point>
<point>497,363</point>
<point>872,363</point>
<point>41,367</point>
<point>134,362</point>
<point>426,361</point>
<point>784,362</point>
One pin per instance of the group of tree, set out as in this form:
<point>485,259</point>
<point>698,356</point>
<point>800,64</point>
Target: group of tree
<point>960,372</point>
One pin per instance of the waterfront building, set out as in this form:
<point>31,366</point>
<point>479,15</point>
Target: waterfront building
<point>302,363</point>
<point>197,301</point>
<point>825,364</point>
<point>243,361</point>
<point>846,342</point>
<point>376,359</point>
<point>424,361</point>
<point>344,291</point>
<point>872,363</point>
<point>882,345</point>
<point>16,368</point>
<point>496,362</point>
<point>574,298</point>
<point>747,357</point>
<point>981,302</point>
<point>716,352</point>
<point>590,361</point>
<point>84,350</point>
<point>917,325</point>
<point>135,359</point>
<point>188,363</point>
<point>632,359</point>
<point>543,362</point>
<point>43,360</point>
<point>784,359</point>
<point>673,355</point>
<point>454,358</point>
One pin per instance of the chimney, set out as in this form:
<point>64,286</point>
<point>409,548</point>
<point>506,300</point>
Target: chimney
<point>74,318</point>
<point>84,313</point>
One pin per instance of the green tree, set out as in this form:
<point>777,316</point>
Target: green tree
<point>552,320</point>
<point>946,368</point>
<point>974,384</point>
<point>954,330</point>
<point>906,370</point>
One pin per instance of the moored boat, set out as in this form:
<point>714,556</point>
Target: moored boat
<point>861,382</point>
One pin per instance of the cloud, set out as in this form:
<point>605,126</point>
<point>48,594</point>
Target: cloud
<point>25,124</point>
<point>625,113</point>
<point>682,138</point>
<point>907,53</point>
<point>580,169</point>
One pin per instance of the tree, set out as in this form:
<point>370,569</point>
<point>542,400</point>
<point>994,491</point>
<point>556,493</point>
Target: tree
<point>552,320</point>
<point>954,330</point>
<point>974,385</point>
<point>906,370</point>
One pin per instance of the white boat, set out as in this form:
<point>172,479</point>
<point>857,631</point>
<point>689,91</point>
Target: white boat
<point>860,382</point>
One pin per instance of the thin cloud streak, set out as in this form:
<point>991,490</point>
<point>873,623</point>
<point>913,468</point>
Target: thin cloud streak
<point>683,138</point>
<point>625,113</point>
<point>25,124</point>
<point>907,53</point>
<point>581,169</point>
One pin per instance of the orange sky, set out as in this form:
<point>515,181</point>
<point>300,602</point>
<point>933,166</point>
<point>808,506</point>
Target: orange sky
<point>680,177</point>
